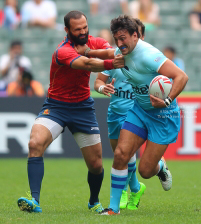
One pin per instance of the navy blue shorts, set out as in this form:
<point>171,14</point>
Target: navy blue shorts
<point>78,117</point>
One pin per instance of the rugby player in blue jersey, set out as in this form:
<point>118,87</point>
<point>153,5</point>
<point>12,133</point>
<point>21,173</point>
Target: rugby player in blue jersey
<point>151,119</point>
<point>121,101</point>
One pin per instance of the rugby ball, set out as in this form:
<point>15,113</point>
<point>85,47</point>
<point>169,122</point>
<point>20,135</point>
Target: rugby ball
<point>160,86</point>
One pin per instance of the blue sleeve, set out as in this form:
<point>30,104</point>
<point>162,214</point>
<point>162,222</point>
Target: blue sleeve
<point>154,60</point>
<point>106,72</point>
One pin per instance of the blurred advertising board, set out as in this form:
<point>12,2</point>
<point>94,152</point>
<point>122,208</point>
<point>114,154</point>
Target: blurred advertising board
<point>17,116</point>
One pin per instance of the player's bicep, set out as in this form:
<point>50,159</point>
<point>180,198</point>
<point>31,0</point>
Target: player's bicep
<point>79,63</point>
<point>102,77</point>
<point>170,70</point>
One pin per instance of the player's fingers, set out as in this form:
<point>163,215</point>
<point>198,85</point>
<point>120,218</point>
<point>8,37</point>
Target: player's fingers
<point>107,89</point>
<point>112,83</point>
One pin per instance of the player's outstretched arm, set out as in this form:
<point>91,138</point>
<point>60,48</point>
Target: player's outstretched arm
<point>97,65</point>
<point>100,53</point>
<point>101,87</point>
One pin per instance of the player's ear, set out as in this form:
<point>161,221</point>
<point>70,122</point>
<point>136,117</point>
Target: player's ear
<point>66,29</point>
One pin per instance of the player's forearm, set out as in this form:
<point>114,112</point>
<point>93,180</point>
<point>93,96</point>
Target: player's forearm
<point>98,83</point>
<point>178,85</point>
<point>96,65</point>
<point>102,53</point>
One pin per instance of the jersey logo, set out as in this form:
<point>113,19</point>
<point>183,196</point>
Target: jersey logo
<point>157,59</point>
<point>94,128</point>
<point>46,112</point>
<point>142,91</point>
<point>124,94</point>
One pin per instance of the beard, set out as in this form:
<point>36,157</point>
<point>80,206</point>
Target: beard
<point>77,40</point>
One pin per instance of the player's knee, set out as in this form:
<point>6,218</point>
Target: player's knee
<point>35,148</point>
<point>121,156</point>
<point>144,172</point>
<point>95,166</point>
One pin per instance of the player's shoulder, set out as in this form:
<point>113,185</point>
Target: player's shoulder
<point>97,42</point>
<point>148,52</point>
<point>64,46</point>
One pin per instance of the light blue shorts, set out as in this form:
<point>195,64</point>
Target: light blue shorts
<point>160,126</point>
<point>114,122</point>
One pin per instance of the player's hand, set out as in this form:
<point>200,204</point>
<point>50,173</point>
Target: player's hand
<point>109,89</point>
<point>156,102</point>
<point>81,49</point>
<point>118,61</point>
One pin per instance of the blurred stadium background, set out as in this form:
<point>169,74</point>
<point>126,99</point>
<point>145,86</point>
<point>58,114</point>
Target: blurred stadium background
<point>174,30</point>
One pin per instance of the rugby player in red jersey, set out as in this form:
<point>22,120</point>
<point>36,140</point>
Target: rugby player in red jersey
<point>69,104</point>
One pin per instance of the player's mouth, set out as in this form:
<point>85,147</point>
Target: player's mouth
<point>122,48</point>
<point>82,36</point>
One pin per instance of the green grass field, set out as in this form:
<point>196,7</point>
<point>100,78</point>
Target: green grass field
<point>65,195</point>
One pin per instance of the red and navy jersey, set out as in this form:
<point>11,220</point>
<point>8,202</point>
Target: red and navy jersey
<point>68,84</point>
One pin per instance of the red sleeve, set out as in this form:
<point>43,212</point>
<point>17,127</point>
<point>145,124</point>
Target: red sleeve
<point>102,43</point>
<point>66,55</point>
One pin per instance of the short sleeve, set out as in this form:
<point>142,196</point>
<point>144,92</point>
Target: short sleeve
<point>65,56</point>
<point>102,44</point>
<point>106,72</point>
<point>154,60</point>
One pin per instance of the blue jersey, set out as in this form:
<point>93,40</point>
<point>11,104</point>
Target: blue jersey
<point>123,98</point>
<point>141,66</point>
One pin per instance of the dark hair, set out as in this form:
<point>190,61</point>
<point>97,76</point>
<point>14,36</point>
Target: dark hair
<point>72,15</point>
<point>124,22</point>
<point>139,23</point>
<point>15,43</point>
<point>171,49</point>
<point>27,75</point>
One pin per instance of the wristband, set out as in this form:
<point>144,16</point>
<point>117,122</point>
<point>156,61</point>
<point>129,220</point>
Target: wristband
<point>167,102</point>
<point>86,52</point>
<point>108,64</point>
<point>100,89</point>
<point>169,99</point>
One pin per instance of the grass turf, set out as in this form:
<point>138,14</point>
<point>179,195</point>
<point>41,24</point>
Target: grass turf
<point>65,195</point>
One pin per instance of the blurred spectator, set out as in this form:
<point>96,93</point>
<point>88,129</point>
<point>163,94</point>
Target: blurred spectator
<point>10,63</point>
<point>40,13</point>
<point>105,7</point>
<point>106,34</point>
<point>170,53</point>
<point>147,11</point>
<point>195,17</point>
<point>25,85</point>
<point>10,16</point>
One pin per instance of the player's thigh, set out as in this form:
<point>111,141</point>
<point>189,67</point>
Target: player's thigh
<point>113,143</point>
<point>128,144</point>
<point>151,156</point>
<point>91,148</point>
<point>43,132</point>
